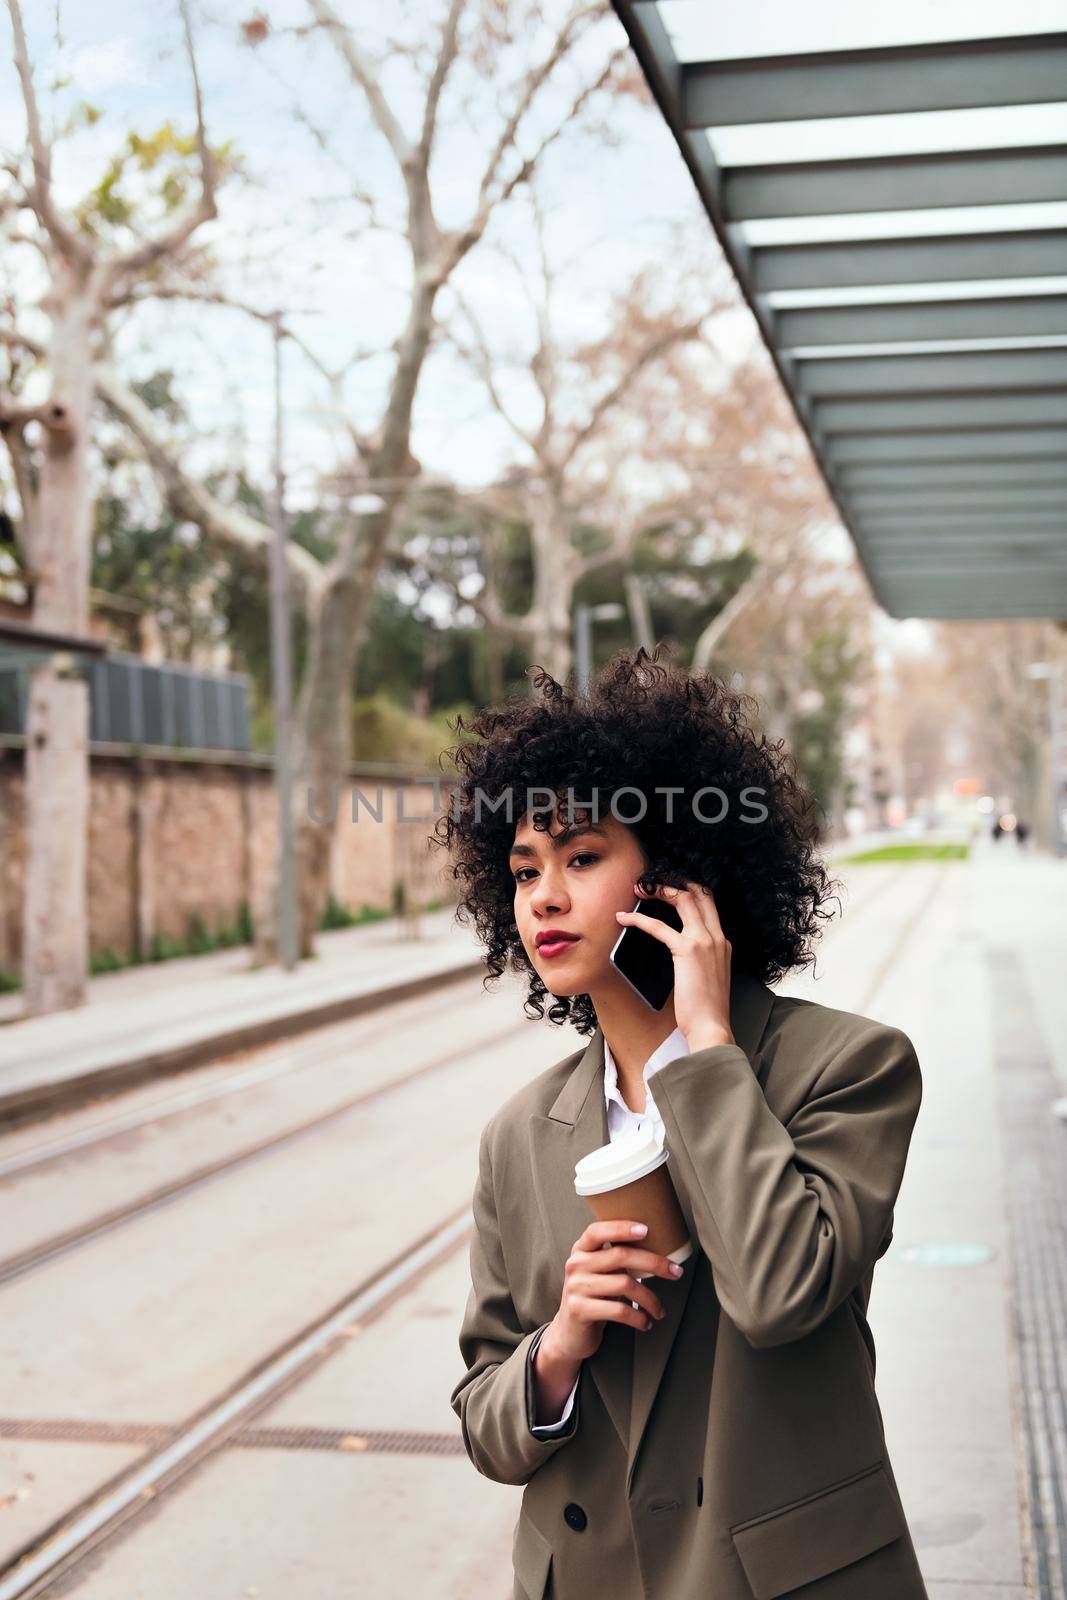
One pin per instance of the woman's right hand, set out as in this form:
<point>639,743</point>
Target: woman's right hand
<point>598,1286</point>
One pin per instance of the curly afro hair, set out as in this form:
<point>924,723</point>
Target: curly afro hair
<point>641,726</point>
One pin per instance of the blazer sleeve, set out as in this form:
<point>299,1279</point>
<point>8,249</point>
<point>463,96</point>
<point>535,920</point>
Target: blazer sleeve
<point>791,1216</point>
<point>495,1399</point>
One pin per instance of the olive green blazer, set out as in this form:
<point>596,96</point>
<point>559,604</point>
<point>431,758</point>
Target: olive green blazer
<point>736,1450</point>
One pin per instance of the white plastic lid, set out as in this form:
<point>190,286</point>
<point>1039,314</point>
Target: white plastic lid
<point>622,1161</point>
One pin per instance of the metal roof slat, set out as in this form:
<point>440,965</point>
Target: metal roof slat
<point>976,371</point>
<point>895,480</point>
<point>862,184</point>
<point>934,258</point>
<point>1039,495</point>
<point>971,514</point>
<point>1025,70</point>
<point>899,415</point>
<point>990,444</point>
<point>1013,317</point>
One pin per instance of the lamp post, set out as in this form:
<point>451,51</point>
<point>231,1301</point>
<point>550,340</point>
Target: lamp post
<point>282,682</point>
<point>584,617</point>
<point>1052,671</point>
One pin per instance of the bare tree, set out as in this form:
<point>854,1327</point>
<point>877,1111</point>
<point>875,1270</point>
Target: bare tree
<point>337,593</point>
<point>1002,711</point>
<point>52,475</point>
<point>593,398</point>
<point>645,432</point>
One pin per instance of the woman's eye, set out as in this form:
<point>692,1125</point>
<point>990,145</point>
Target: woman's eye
<point>582,855</point>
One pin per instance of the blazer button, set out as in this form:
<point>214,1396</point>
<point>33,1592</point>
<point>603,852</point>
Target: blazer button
<point>575,1517</point>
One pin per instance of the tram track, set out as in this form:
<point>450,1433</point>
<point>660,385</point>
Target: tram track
<point>39,1255</point>
<point>98,1517</point>
<point>204,1095</point>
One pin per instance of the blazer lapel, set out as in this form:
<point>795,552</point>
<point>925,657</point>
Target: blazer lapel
<point>628,1367</point>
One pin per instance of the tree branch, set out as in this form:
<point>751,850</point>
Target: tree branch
<point>519,629</point>
<point>217,297</point>
<point>463,239</point>
<point>443,65</point>
<point>363,73</point>
<point>65,238</point>
<point>171,240</point>
<point>228,525</point>
<point>716,628</point>
<point>651,352</point>
<point>28,498</point>
<point>15,416</point>
<point>479,358</point>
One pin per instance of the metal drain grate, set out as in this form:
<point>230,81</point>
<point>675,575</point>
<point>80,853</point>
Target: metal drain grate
<point>394,1442</point>
<point>1035,1148</point>
<point>72,1430</point>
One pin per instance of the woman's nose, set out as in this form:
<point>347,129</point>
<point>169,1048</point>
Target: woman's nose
<point>548,895</point>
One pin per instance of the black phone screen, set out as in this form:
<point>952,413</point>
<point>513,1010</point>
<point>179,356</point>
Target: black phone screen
<point>644,961</point>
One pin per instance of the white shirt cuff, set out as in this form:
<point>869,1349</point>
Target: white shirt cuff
<point>553,1427</point>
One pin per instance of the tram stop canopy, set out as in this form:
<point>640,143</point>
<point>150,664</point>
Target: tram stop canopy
<point>889,185</point>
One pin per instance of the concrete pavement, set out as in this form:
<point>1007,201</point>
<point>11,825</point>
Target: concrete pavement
<point>151,1020</point>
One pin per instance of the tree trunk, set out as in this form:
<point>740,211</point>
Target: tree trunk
<point>322,722</point>
<point>55,927</point>
<point>553,584</point>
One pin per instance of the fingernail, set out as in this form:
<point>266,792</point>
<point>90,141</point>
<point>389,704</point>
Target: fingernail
<point>639,1228</point>
<point>676,1269</point>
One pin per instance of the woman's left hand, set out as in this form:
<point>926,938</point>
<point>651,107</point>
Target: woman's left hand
<point>701,954</point>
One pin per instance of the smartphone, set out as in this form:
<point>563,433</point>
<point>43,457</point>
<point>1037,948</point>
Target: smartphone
<point>644,961</point>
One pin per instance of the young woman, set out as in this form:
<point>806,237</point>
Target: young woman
<point>713,1434</point>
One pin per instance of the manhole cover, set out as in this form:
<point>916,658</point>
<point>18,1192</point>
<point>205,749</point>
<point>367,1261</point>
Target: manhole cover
<point>943,1255</point>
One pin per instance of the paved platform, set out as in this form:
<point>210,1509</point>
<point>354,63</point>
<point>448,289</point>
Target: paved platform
<point>162,1017</point>
<point>969,1306</point>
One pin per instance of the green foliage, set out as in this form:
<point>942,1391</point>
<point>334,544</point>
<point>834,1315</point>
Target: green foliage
<point>164,948</point>
<point>198,940</point>
<point>244,929</point>
<point>817,736</point>
<point>148,175</point>
<point>384,731</point>
<point>909,852</point>
<point>9,981</point>
<point>105,960</point>
<point>337,915</point>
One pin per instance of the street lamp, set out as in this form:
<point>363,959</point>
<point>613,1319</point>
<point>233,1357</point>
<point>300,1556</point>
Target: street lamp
<point>1053,672</point>
<point>282,683</point>
<point>584,617</point>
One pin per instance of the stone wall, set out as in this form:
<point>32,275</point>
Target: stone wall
<point>173,835</point>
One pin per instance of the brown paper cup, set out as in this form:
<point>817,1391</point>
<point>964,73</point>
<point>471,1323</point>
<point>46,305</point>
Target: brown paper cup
<point>603,1178</point>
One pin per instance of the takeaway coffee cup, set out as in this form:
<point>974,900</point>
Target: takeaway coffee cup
<point>629,1178</point>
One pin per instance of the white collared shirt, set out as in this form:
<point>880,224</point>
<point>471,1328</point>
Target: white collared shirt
<point>622,1120</point>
